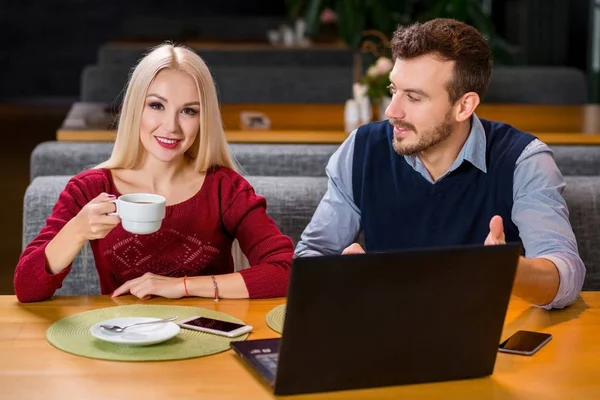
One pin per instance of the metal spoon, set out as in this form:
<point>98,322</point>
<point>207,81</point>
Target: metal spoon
<point>117,328</point>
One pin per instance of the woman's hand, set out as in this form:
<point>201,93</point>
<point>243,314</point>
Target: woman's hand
<point>93,221</point>
<point>150,284</point>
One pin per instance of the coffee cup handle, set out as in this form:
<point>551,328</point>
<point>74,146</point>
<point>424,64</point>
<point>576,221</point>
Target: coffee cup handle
<point>116,201</point>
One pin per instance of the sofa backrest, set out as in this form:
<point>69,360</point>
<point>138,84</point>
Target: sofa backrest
<point>581,194</point>
<point>291,202</point>
<point>70,158</point>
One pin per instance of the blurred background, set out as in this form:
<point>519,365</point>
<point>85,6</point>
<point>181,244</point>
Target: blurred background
<point>45,44</point>
<point>56,53</point>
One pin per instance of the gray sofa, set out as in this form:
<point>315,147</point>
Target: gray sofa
<point>291,203</point>
<point>70,158</point>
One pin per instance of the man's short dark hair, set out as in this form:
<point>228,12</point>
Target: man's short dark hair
<point>449,40</point>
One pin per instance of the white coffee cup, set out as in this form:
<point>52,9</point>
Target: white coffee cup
<point>140,213</point>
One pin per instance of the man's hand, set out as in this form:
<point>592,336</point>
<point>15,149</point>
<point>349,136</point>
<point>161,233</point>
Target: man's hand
<point>496,235</point>
<point>354,248</point>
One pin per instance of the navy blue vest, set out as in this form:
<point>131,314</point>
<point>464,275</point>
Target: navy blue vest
<point>401,209</point>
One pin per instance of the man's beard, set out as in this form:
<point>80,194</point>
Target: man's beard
<point>425,140</point>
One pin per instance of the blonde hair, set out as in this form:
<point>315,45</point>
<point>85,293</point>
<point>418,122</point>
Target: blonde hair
<point>210,147</point>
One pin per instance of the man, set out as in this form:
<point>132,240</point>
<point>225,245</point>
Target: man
<point>435,174</point>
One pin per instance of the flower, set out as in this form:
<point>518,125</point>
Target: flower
<point>377,79</point>
<point>328,16</point>
<point>373,71</point>
<point>384,65</point>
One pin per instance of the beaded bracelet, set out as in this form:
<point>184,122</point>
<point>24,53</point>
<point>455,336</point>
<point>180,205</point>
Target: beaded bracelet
<point>216,287</point>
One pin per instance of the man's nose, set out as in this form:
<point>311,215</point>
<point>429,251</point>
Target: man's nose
<point>395,109</point>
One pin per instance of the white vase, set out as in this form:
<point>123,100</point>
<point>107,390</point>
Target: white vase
<point>384,102</point>
<point>366,113</point>
<point>351,115</point>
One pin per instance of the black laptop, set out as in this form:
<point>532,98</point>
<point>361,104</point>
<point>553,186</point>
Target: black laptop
<point>381,319</point>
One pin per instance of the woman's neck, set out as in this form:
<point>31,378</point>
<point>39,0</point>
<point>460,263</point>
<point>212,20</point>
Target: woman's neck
<point>159,176</point>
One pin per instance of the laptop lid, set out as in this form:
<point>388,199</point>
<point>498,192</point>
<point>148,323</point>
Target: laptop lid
<point>404,317</point>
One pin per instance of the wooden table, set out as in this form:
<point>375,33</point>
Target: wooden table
<point>323,123</point>
<point>566,368</point>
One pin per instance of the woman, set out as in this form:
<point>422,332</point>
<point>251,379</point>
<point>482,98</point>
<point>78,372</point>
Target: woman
<point>170,141</point>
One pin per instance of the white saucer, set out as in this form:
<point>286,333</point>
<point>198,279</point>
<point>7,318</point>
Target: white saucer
<point>142,335</point>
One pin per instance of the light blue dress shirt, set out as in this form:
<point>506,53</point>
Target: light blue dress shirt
<point>539,209</point>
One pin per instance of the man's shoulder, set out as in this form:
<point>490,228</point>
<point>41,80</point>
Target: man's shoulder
<point>502,127</point>
<point>503,135</point>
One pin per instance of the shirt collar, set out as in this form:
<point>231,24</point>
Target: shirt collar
<point>475,147</point>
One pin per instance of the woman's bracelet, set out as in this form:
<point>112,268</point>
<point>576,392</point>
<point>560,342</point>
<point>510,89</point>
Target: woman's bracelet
<point>185,286</point>
<point>216,287</point>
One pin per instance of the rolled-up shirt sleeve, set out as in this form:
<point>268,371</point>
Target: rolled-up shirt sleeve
<point>541,214</point>
<point>336,222</point>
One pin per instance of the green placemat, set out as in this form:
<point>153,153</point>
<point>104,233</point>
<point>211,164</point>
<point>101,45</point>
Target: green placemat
<point>275,318</point>
<point>72,334</point>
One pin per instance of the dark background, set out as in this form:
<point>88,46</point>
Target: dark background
<point>44,44</point>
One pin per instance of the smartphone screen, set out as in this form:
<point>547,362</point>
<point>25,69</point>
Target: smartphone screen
<point>525,342</point>
<point>214,324</point>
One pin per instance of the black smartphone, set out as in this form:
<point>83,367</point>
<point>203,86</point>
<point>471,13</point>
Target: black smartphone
<point>524,343</point>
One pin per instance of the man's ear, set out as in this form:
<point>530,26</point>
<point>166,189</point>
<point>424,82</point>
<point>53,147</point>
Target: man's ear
<point>466,105</point>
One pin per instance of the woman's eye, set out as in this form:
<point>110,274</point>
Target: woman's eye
<point>156,106</point>
<point>189,111</point>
